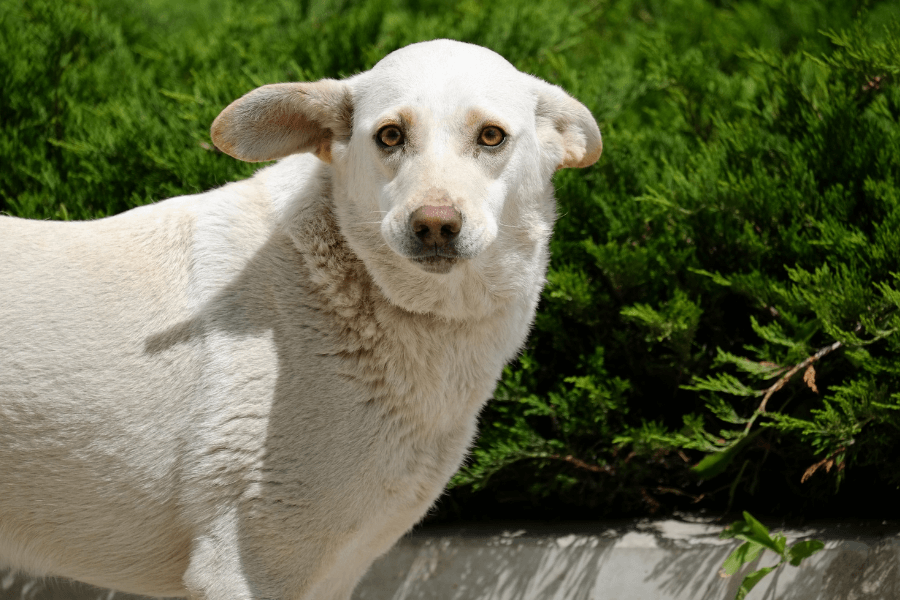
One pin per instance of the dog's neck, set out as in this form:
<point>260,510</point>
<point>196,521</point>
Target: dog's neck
<point>440,370</point>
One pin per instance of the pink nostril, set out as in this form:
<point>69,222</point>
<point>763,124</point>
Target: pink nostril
<point>435,225</point>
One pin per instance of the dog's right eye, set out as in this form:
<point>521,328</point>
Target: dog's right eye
<point>389,136</point>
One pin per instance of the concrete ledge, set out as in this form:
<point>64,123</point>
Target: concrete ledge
<point>638,560</point>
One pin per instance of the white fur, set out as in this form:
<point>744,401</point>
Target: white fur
<point>254,392</point>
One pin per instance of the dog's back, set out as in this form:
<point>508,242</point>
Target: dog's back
<point>86,408</point>
<point>77,299</point>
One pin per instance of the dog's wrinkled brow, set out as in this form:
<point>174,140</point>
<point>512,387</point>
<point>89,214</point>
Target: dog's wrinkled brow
<point>477,119</point>
<point>404,117</point>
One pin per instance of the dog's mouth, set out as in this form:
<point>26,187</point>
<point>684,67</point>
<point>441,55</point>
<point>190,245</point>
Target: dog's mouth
<point>436,263</point>
<point>436,258</point>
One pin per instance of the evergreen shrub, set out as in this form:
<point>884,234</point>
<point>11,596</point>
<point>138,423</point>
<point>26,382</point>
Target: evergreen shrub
<point>727,284</point>
<point>720,323</point>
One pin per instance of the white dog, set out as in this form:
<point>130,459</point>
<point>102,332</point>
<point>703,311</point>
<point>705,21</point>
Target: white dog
<point>254,392</point>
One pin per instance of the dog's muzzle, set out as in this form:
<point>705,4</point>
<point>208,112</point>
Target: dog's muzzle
<point>434,230</point>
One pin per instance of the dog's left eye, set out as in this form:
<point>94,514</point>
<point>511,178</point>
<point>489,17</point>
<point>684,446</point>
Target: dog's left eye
<point>390,136</point>
<point>491,136</point>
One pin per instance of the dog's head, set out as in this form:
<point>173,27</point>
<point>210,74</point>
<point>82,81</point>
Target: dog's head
<point>441,157</point>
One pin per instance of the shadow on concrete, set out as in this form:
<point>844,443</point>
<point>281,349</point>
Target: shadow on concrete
<point>506,565</point>
<point>864,573</point>
<point>634,561</point>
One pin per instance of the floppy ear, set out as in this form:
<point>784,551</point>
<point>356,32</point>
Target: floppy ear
<point>566,128</point>
<point>277,120</point>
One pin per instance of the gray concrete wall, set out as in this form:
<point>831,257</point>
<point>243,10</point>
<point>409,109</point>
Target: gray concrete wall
<point>643,560</point>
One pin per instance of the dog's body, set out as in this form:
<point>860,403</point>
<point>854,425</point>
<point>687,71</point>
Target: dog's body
<point>253,392</point>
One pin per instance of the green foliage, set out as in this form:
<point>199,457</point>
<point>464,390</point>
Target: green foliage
<point>757,539</point>
<point>736,258</point>
<point>724,290</point>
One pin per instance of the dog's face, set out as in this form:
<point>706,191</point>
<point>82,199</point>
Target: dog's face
<point>442,132</point>
<point>442,156</point>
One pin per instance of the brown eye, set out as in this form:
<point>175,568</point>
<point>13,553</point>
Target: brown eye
<point>491,136</point>
<point>390,136</point>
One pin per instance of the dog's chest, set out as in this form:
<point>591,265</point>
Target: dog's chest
<point>361,439</point>
<point>417,391</point>
<point>415,382</point>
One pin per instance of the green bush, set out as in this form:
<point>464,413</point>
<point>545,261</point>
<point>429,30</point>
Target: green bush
<point>744,218</point>
<point>744,238</point>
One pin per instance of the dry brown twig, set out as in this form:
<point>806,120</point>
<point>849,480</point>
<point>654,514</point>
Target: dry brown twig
<point>827,462</point>
<point>583,465</point>
<point>787,377</point>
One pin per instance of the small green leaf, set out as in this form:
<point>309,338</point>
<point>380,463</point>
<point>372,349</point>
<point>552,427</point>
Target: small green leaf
<point>743,554</point>
<point>780,543</point>
<point>759,534</point>
<point>714,464</point>
<point>716,277</point>
<point>802,550</point>
<point>751,580</point>
<point>737,529</point>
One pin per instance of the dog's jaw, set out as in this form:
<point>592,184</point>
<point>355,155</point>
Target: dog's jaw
<point>440,265</point>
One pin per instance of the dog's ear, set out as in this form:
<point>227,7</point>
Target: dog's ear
<point>277,120</point>
<point>566,128</point>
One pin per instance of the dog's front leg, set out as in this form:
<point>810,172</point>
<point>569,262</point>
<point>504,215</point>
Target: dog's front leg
<point>228,562</point>
<point>217,571</point>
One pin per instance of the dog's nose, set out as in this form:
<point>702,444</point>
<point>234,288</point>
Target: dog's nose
<point>436,225</point>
